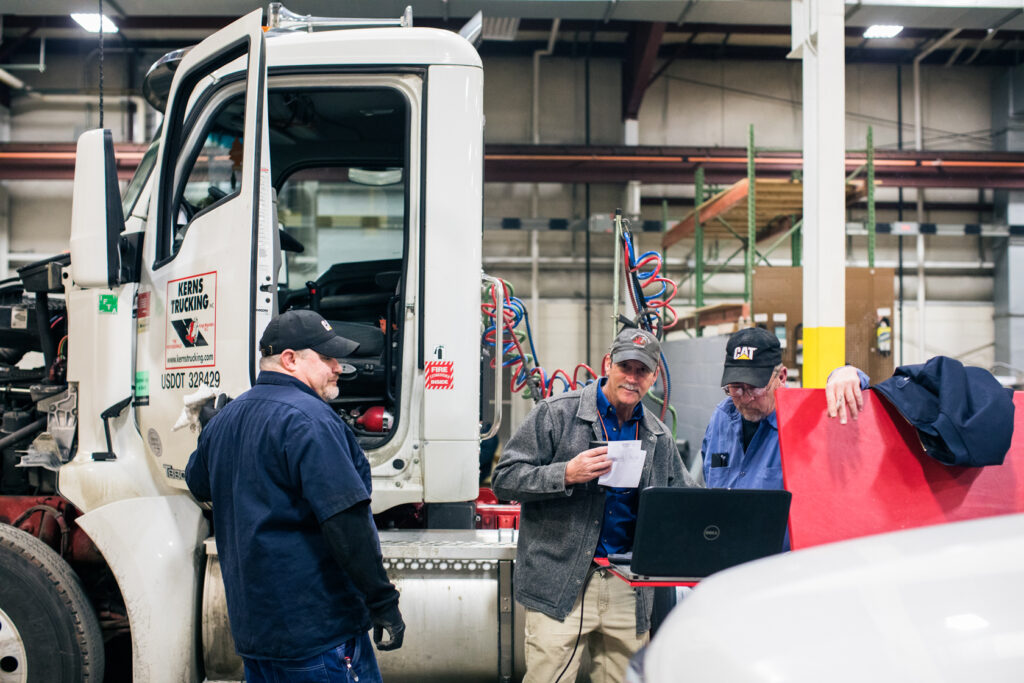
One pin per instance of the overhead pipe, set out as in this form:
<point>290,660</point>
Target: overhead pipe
<point>919,145</point>
<point>953,57</point>
<point>981,44</point>
<point>991,33</point>
<point>11,81</point>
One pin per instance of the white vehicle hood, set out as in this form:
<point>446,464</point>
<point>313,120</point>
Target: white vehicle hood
<point>941,603</point>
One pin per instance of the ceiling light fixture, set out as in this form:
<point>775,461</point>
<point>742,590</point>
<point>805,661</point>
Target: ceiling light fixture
<point>883,31</point>
<point>93,22</point>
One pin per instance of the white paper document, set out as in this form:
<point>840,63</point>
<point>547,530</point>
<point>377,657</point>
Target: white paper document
<point>627,465</point>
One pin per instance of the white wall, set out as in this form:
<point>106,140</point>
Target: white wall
<point>508,93</point>
<point>961,331</point>
<point>40,216</point>
<point>713,103</point>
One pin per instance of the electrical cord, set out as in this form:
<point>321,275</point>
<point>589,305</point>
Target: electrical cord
<point>647,306</point>
<point>675,418</point>
<point>579,634</point>
<point>525,369</point>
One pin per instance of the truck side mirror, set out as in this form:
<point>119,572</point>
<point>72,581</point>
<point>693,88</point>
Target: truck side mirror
<point>96,216</point>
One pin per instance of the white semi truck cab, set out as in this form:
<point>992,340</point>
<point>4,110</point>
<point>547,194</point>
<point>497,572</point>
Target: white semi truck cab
<point>321,164</point>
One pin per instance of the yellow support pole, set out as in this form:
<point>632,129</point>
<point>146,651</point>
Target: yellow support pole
<point>824,351</point>
<point>818,39</point>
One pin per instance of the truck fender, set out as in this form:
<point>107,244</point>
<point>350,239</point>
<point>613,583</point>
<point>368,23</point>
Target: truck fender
<point>153,547</point>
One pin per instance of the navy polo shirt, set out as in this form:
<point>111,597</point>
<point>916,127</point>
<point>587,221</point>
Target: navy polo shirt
<point>619,503</point>
<point>277,462</point>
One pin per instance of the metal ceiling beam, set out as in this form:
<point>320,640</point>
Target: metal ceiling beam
<point>617,164</point>
<point>641,53</point>
<point>723,165</point>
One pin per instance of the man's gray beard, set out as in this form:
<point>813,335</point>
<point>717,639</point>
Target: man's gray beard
<point>331,392</point>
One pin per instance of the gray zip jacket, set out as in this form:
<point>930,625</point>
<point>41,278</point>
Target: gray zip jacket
<point>559,526</point>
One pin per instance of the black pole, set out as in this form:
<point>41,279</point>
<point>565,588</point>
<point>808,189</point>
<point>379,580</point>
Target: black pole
<point>46,341</point>
<point>899,204</point>
<point>586,203</point>
<point>101,63</point>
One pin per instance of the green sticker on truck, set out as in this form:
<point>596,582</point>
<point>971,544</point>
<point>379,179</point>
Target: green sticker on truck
<point>142,388</point>
<point>108,303</point>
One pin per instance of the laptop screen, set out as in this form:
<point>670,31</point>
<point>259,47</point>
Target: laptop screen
<point>690,532</point>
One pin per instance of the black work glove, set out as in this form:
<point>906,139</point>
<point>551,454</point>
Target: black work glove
<point>211,408</point>
<point>391,621</point>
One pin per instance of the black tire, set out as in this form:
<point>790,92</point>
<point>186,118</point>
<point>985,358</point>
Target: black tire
<point>58,636</point>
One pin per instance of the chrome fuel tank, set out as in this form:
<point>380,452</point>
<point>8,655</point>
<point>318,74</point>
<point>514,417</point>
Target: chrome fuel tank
<point>462,625</point>
<point>461,621</point>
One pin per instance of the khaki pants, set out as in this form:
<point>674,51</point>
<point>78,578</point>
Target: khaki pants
<point>608,610</point>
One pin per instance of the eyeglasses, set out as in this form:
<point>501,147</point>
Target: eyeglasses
<point>739,389</point>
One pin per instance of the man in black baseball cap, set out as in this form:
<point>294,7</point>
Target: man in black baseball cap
<point>291,489</point>
<point>304,329</point>
<point>314,350</point>
<point>751,356</point>
<point>741,444</point>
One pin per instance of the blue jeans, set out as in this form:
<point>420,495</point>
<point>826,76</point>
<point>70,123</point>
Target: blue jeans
<point>326,667</point>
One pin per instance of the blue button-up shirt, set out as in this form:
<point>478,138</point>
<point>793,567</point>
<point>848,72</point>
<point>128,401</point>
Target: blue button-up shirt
<point>277,462</point>
<point>620,504</point>
<point>728,466</point>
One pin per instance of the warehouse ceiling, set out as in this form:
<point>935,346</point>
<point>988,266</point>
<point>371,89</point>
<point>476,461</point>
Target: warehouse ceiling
<point>989,32</point>
<point>967,14</point>
<point>647,35</point>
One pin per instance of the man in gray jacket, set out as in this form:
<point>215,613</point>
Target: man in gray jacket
<point>567,520</point>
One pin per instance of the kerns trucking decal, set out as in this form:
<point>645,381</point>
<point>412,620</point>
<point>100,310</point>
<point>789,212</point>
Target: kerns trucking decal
<point>191,335</point>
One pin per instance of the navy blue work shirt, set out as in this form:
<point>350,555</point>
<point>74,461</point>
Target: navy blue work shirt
<point>620,504</point>
<point>277,462</point>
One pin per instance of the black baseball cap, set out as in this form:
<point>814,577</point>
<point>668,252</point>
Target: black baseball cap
<point>637,344</point>
<point>751,356</point>
<point>304,329</point>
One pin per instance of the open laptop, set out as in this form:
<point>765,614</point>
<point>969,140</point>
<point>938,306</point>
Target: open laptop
<point>688,534</point>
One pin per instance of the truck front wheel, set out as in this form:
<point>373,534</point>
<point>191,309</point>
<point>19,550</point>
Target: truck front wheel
<point>48,629</point>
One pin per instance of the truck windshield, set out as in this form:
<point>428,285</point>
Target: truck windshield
<point>342,215</point>
<point>138,181</point>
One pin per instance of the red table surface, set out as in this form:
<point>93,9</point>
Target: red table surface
<point>872,475</point>
<point>603,562</point>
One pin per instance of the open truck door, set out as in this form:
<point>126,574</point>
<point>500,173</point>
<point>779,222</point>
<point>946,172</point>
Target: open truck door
<point>207,283</point>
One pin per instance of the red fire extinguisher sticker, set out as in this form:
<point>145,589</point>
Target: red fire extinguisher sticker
<point>440,374</point>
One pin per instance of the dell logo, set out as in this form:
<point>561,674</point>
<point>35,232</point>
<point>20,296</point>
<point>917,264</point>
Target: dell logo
<point>711,532</point>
